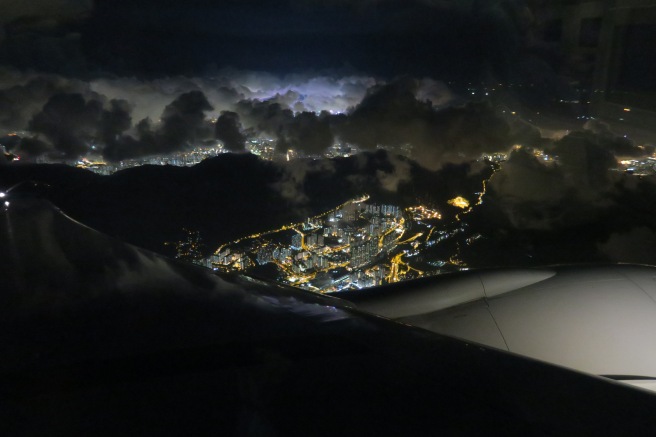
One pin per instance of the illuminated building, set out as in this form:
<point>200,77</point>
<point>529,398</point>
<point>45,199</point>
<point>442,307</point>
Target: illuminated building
<point>297,240</point>
<point>315,259</point>
<point>265,255</point>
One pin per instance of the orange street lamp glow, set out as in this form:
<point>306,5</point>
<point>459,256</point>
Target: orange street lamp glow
<point>459,202</point>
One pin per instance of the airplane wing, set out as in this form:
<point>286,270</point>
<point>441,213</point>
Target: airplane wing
<point>102,338</point>
<point>596,319</point>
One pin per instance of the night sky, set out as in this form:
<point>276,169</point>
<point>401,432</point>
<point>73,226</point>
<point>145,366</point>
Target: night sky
<point>148,38</point>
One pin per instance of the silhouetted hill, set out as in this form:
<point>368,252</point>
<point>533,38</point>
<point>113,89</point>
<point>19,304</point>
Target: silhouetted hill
<point>529,215</point>
<point>234,194</point>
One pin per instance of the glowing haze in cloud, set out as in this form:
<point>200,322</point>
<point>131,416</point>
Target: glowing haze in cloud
<point>225,88</point>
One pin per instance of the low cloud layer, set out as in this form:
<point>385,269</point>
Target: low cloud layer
<point>633,246</point>
<point>539,195</point>
<point>123,118</point>
<point>393,115</point>
<point>151,105</point>
<point>577,208</point>
<point>229,131</point>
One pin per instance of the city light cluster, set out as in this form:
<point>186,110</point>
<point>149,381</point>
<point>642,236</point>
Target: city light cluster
<point>335,250</point>
<point>355,245</point>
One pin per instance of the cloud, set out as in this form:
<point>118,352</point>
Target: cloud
<point>579,187</point>
<point>141,142</point>
<point>633,246</point>
<point>24,95</point>
<point>585,159</point>
<point>183,123</point>
<point>333,92</point>
<point>524,133</point>
<point>303,112</point>
<point>293,109</point>
<point>306,132</point>
<point>228,130</point>
<point>114,121</point>
<point>34,147</point>
<point>434,91</point>
<point>401,173</point>
<point>600,134</point>
<point>308,114</point>
<point>183,120</point>
<point>290,186</point>
<point>69,122</point>
<point>149,97</point>
<point>391,115</point>
<point>10,142</point>
<point>523,178</point>
<point>170,102</point>
<point>529,192</point>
